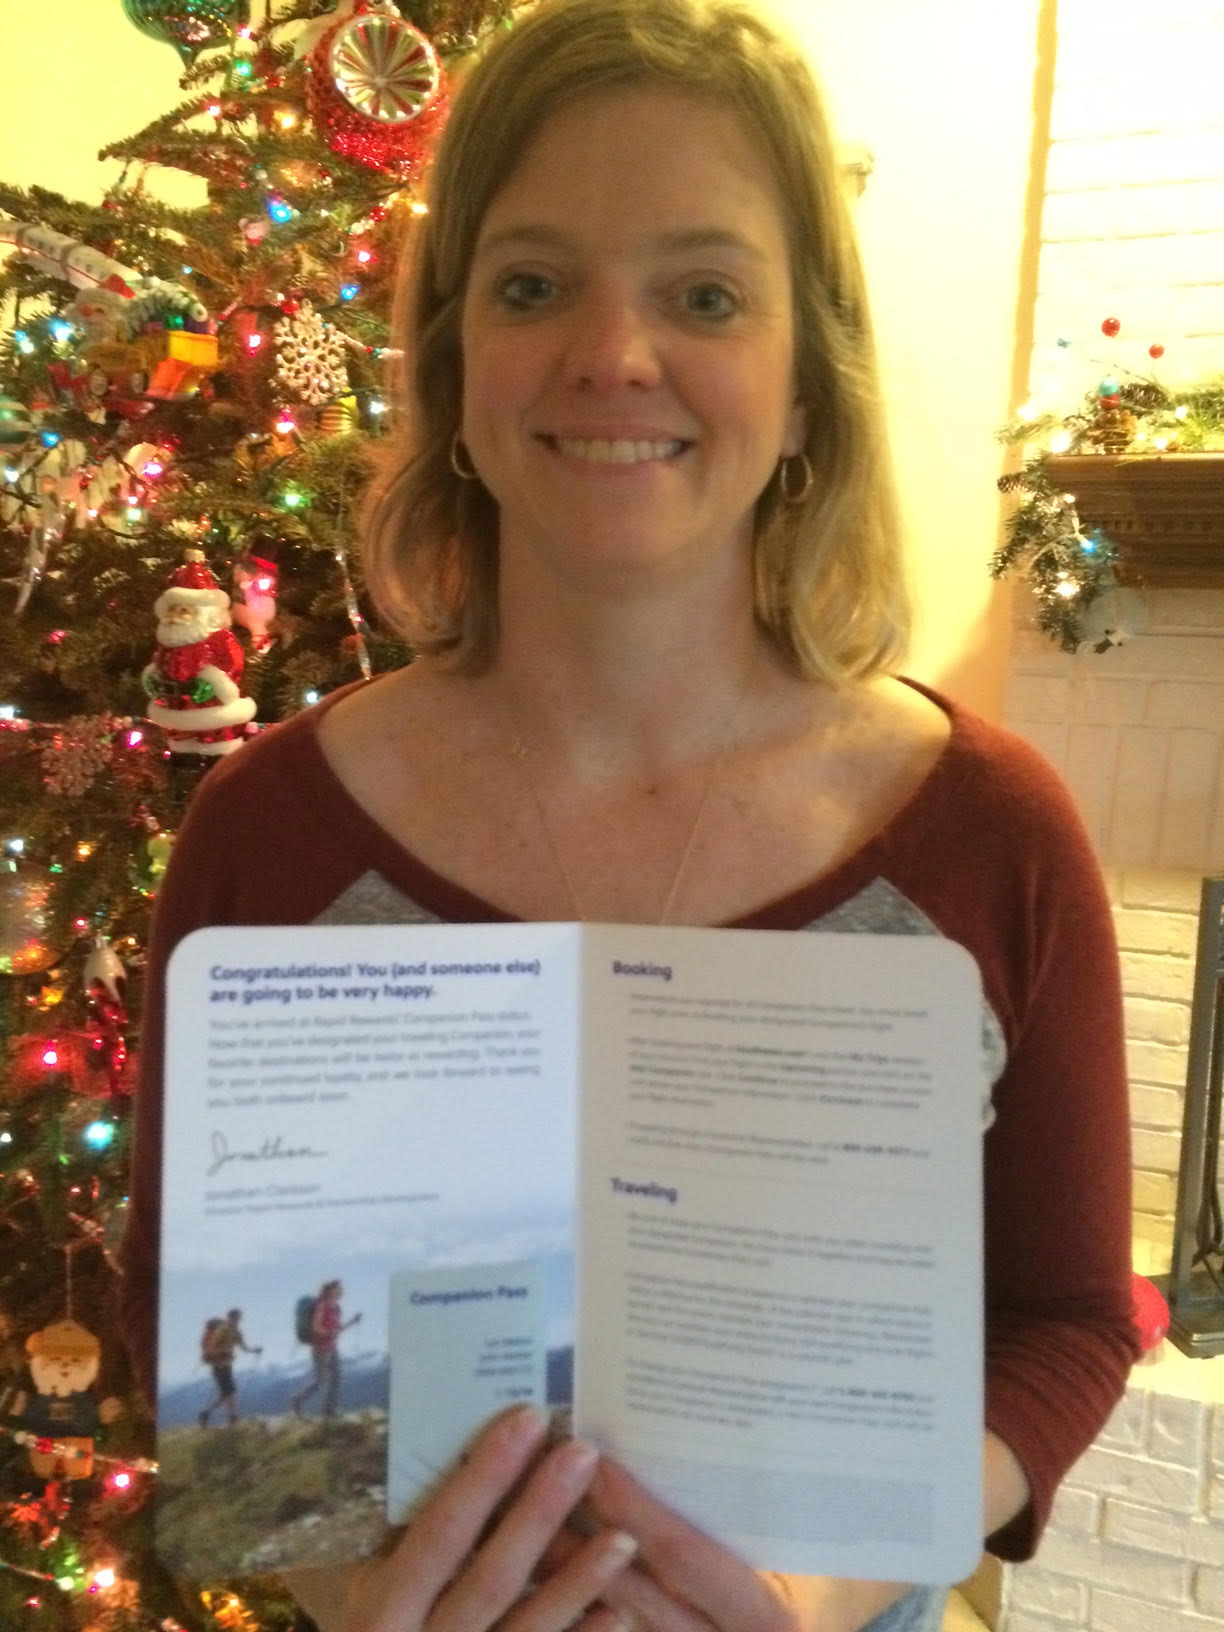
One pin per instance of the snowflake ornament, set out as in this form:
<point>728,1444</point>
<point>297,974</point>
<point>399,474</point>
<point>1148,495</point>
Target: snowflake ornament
<point>310,361</point>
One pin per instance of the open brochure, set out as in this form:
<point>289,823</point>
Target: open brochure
<point>715,1192</point>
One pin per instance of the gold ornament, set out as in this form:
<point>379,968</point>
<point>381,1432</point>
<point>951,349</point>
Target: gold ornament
<point>338,418</point>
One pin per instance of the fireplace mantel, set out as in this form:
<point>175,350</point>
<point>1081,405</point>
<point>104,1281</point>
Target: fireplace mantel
<point>1163,512</point>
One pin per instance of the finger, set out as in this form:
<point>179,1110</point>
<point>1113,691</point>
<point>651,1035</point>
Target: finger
<point>562,1548</point>
<point>605,1619</point>
<point>687,1563</point>
<point>446,1529</point>
<point>642,1604</point>
<point>567,1598</point>
<point>504,1564</point>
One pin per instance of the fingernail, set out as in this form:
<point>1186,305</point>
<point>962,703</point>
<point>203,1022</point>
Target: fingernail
<point>576,1459</point>
<point>621,1546</point>
<point>525,1425</point>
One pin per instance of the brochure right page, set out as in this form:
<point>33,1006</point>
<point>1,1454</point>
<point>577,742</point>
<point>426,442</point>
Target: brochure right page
<point>780,1240</point>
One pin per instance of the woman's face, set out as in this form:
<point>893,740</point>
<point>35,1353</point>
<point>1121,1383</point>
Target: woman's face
<point>628,339</point>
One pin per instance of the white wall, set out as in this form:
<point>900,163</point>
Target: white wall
<point>1134,228</point>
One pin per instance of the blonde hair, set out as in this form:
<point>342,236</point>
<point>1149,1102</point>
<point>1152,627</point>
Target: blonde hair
<point>829,584</point>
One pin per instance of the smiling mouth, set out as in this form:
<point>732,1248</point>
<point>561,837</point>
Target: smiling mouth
<point>600,450</point>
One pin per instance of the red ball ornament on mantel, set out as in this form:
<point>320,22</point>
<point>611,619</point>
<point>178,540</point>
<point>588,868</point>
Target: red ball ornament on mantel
<point>1111,327</point>
<point>375,90</point>
<point>1156,351</point>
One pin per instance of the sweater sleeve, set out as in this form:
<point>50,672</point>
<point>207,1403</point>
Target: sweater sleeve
<point>1060,1338</point>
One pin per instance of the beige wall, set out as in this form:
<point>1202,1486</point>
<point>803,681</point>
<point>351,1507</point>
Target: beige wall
<point>939,92</point>
<point>75,79</point>
<point>942,94</point>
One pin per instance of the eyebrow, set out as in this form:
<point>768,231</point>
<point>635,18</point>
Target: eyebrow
<point>532,235</point>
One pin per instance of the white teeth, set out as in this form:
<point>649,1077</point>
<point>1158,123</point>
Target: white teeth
<point>602,451</point>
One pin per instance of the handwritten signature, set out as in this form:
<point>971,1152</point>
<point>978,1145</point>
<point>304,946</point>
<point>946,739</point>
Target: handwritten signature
<point>273,1149</point>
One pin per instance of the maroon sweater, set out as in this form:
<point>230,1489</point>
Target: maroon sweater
<point>988,852</point>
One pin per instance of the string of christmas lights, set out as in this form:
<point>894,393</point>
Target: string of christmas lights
<point>187,398</point>
<point>66,1451</point>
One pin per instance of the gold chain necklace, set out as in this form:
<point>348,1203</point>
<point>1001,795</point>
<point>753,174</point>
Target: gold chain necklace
<point>520,755</point>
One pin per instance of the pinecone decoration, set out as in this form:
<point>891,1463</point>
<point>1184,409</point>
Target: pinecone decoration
<point>1144,394</point>
<point>1113,428</point>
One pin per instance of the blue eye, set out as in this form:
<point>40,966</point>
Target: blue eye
<point>525,290</point>
<point>709,300</point>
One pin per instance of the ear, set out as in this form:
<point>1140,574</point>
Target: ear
<point>796,431</point>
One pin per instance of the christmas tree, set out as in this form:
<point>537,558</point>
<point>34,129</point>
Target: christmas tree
<point>189,402</point>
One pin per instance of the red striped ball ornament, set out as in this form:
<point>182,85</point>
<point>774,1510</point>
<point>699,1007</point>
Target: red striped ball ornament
<point>376,92</point>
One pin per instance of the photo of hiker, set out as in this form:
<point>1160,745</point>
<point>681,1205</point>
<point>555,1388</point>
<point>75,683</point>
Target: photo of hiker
<point>249,1484</point>
<point>319,1323</point>
<point>286,1483</point>
<point>220,1340</point>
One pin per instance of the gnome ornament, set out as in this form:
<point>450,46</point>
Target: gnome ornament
<point>194,680</point>
<point>64,1413</point>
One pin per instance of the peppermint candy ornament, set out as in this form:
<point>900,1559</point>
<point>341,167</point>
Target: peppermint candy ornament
<point>375,90</point>
<point>310,362</point>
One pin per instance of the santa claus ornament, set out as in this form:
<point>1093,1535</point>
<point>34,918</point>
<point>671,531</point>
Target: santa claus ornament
<point>194,680</point>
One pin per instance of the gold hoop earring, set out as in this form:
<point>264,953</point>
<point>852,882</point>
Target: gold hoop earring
<point>465,474</point>
<point>795,495</point>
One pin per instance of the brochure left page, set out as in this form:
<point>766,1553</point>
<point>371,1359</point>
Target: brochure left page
<point>348,1111</point>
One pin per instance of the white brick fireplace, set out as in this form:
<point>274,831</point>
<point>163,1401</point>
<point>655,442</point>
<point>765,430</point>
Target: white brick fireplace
<point>1136,1543</point>
<point>1138,735</point>
<point>1133,227</point>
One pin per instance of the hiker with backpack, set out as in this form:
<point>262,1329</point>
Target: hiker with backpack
<point>220,1339</point>
<point>319,1322</point>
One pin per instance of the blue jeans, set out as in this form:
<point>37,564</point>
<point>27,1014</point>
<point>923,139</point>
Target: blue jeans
<point>919,1611</point>
<point>326,1365</point>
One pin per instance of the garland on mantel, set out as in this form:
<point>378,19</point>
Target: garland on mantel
<point>1065,566</point>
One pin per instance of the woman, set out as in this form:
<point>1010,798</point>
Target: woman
<point>642,537</point>
<point>326,1323</point>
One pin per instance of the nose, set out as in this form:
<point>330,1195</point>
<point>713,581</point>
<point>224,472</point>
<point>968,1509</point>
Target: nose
<point>612,345</point>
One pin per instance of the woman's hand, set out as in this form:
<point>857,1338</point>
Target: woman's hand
<point>454,1571</point>
<point>684,1581</point>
